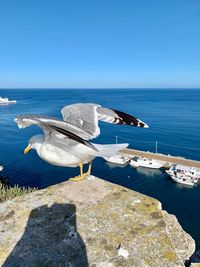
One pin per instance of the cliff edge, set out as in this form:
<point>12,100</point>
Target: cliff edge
<point>90,223</point>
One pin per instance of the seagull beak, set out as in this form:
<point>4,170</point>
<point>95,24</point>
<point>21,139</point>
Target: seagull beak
<point>26,150</point>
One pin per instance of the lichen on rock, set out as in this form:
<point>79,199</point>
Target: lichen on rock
<point>90,223</point>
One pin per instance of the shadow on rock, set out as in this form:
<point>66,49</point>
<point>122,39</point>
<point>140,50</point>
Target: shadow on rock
<point>50,239</point>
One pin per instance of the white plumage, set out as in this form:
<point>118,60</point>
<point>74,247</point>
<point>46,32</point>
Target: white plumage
<point>65,142</point>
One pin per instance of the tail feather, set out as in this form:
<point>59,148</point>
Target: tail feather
<point>109,150</point>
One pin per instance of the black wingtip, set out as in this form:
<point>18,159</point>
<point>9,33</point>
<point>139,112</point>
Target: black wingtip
<point>142,124</point>
<point>126,119</point>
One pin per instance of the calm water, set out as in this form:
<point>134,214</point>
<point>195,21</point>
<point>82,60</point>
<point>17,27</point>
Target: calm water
<point>174,119</point>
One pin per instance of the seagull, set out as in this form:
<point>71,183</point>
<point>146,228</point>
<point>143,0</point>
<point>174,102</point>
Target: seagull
<point>66,142</point>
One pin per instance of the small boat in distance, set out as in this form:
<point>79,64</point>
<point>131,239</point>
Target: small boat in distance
<point>118,159</point>
<point>148,163</point>
<point>5,100</point>
<point>1,168</point>
<point>183,174</point>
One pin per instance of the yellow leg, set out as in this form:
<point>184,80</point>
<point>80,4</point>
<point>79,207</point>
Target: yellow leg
<point>89,169</point>
<point>81,176</point>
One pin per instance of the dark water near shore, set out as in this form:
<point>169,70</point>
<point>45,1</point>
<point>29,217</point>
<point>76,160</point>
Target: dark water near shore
<point>174,119</point>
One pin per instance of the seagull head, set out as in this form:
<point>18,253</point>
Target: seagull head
<point>34,143</point>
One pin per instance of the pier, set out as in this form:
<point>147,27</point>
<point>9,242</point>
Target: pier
<point>168,159</point>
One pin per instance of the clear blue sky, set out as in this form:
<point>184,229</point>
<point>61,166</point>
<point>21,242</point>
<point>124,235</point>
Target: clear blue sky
<point>99,43</point>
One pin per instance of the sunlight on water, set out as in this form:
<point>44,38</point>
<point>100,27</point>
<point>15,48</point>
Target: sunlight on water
<point>173,116</point>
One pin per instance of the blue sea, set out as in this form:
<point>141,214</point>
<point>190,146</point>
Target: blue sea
<point>174,120</point>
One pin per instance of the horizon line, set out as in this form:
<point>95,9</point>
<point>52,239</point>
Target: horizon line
<point>98,88</point>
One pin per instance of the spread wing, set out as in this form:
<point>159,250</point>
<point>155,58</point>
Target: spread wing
<point>53,128</point>
<point>86,116</point>
<point>83,116</point>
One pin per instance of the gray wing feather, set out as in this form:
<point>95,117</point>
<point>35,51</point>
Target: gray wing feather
<point>24,121</point>
<point>52,128</point>
<point>86,116</point>
<point>83,116</point>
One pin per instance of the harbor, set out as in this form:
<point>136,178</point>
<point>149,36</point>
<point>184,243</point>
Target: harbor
<point>167,159</point>
<point>181,170</point>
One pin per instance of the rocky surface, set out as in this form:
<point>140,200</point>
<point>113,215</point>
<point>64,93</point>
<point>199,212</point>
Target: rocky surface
<point>90,223</point>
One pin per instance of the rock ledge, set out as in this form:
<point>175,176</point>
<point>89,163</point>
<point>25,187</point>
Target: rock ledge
<point>90,223</point>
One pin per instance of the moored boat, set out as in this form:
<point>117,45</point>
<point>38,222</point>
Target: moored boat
<point>183,174</point>
<point>149,163</point>
<point>118,159</point>
<point>184,179</point>
<point>134,163</point>
<point>185,170</point>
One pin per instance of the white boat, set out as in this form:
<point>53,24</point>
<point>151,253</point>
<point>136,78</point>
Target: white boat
<point>183,170</point>
<point>149,163</point>
<point>183,174</point>
<point>5,100</point>
<point>184,179</point>
<point>118,159</point>
<point>1,168</point>
<point>134,163</point>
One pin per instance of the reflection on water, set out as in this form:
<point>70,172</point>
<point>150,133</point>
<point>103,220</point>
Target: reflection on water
<point>149,172</point>
<point>115,165</point>
<point>184,186</point>
<point>139,170</point>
